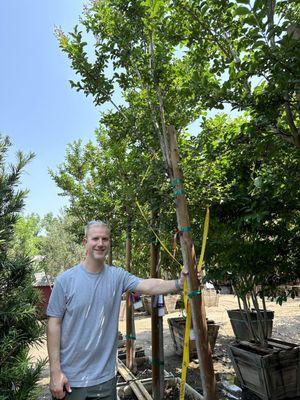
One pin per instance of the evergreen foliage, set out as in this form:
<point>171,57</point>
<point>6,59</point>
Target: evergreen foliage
<point>19,321</point>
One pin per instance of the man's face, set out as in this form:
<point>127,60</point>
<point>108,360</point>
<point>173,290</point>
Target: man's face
<point>97,242</point>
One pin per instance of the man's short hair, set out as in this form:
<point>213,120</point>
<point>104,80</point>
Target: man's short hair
<point>94,223</point>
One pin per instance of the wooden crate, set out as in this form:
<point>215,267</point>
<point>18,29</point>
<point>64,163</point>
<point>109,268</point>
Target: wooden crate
<point>240,327</point>
<point>177,327</point>
<point>272,373</point>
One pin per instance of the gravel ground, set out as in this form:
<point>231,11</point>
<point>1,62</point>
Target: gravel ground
<point>286,327</point>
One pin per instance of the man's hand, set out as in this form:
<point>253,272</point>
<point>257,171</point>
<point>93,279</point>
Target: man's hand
<point>182,277</point>
<point>59,385</point>
<point>184,273</point>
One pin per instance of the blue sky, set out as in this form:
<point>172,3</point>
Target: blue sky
<point>38,109</point>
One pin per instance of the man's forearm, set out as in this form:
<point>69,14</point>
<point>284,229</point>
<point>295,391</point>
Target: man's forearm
<point>59,384</point>
<point>53,343</point>
<point>154,286</point>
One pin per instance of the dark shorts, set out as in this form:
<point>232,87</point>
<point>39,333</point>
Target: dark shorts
<point>103,391</point>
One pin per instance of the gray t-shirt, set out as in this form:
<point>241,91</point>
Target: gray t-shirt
<point>89,305</point>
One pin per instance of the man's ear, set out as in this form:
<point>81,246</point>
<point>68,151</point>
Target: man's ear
<point>84,242</point>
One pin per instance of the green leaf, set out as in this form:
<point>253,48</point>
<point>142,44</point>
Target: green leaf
<point>257,5</point>
<point>250,20</point>
<point>242,11</point>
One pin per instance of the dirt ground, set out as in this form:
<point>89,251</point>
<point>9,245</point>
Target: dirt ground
<point>286,327</point>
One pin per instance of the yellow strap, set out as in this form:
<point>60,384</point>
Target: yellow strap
<point>186,345</point>
<point>204,239</point>
<point>186,352</point>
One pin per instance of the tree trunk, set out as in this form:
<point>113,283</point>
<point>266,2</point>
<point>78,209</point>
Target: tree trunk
<point>156,321</point>
<point>130,330</point>
<point>188,253</point>
<point>110,253</point>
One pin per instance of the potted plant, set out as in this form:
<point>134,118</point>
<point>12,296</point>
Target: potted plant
<point>253,242</point>
<point>259,264</point>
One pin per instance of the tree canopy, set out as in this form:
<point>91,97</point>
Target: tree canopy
<point>174,63</point>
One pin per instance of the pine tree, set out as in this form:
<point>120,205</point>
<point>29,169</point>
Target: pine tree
<point>20,326</point>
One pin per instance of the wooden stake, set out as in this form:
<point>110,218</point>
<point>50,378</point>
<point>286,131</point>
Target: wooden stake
<point>189,260</point>
<point>156,322</point>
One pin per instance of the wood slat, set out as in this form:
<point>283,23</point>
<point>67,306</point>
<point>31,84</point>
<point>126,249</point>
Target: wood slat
<point>136,385</point>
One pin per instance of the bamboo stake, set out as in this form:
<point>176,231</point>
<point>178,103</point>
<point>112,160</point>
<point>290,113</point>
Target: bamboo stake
<point>130,331</point>
<point>196,301</point>
<point>156,321</point>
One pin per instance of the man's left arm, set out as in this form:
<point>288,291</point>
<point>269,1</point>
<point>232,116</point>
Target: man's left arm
<point>153,286</point>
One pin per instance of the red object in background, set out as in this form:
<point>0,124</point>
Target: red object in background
<point>43,284</point>
<point>45,292</point>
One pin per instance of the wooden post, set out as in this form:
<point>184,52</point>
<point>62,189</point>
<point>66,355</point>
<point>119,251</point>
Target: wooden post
<point>188,254</point>
<point>130,331</point>
<point>156,321</point>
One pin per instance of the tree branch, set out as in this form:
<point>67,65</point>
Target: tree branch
<point>290,120</point>
<point>285,136</point>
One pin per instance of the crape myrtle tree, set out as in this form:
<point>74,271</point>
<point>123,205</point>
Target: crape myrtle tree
<point>149,65</point>
<point>255,57</point>
<point>252,181</point>
<point>118,173</point>
<point>20,327</point>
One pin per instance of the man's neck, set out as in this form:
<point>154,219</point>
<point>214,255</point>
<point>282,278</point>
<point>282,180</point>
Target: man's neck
<point>93,266</point>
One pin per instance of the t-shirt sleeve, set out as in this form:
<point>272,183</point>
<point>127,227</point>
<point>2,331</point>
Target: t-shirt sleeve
<point>57,301</point>
<point>130,281</point>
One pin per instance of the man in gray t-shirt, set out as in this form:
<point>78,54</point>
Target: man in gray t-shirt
<point>83,320</point>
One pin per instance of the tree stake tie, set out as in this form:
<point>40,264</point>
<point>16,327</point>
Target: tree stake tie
<point>185,229</point>
<point>178,192</point>
<point>194,293</point>
<point>186,296</point>
<point>176,182</point>
<point>156,361</point>
<point>130,337</point>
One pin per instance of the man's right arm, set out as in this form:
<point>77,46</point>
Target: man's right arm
<point>58,381</point>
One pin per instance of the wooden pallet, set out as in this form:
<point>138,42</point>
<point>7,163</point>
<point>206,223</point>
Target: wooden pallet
<point>136,385</point>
